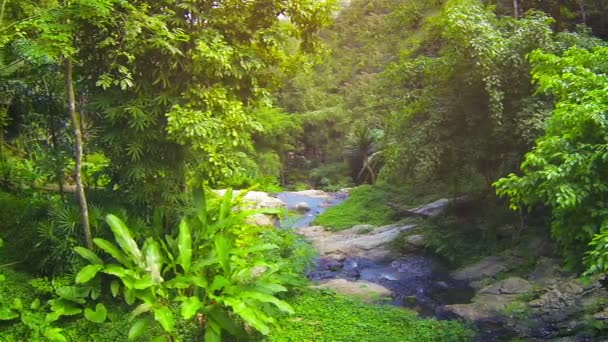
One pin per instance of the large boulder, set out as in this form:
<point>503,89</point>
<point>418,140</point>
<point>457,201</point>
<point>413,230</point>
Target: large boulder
<point>363,290</point>
<point>351,242</point>
<point>257,199</point>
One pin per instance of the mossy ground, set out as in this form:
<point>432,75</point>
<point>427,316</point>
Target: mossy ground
<point>365,205</point>
<point>325,316</point>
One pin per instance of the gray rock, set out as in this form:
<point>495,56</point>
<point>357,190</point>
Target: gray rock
<point>417,240</point>
<point>257,199</point>
<point>509,286</point>
<point>363,228</point>
<point>474,312</point>
<point>349,242</point>
<point>488,267</point>
<point>363,290</point>
<point>431,209</point>
<point>302,207</point>
<point>262,220</point>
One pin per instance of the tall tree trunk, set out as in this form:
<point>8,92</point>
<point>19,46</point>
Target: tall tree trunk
<point>516,9</point>
<point>82,199</point>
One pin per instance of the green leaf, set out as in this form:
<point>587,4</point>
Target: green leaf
<point>111,249</point>
<point>185,245</point>
<point>138,328</point>
<point>221,317</point>
<point>266,298</point>
<point>140,309</point>
<point>223,247</point>
<point>190,307</point>
<point>55,335</point>
<point>73,293</point>
<point>114,288</point>
<point>35,304</point>
<point>211,334</point>
<point>63,307</point>
<point>6,314</point>
<point>164,316</point>
<point>87,273</point>
<point>154,260</point>
<point>97,316</point>
<point>122,234</point>
<point>88,255</point>
<point>145,282</point>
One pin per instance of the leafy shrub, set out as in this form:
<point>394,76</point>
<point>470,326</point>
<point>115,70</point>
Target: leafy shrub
<point>469,231</point>
<point>217,275</point>
<point>365,205</point>
<point>325,316</point>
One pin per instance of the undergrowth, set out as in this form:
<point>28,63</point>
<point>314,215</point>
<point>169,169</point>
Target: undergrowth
<point>325,316</point>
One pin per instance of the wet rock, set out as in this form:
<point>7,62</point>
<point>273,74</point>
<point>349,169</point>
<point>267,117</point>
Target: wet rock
<point>342,244</point>
<point>547,272</point>
<point>602,315</point>
<point>313,193</point>
<point>475,312</point>
<point>302,207</point>
<point>257,199</point>
<point>431,209</point>
<point>509,286</point>
<point>416,241</point>
<point>262,220</point>
<point>363,228</point>
<point>488,267</point>
<point>363,290</point>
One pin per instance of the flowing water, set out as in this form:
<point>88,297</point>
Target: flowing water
<point>418,281</point>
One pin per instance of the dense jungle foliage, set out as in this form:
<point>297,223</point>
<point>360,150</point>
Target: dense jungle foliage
<point>119,118</point>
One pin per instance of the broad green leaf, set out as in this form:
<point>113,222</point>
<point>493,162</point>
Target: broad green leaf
<point>190,307</point>
<point>73,293</point>
<point>88,255</point>
<point>145,282</point>
<point>138,328</point>
<point>164,316</point>
<point>154,260</point>
<point>223,246</point>
<point>97,316</point>
<point>114,288</point>
<point>213,333</point>
<point>140,309</point>
<point>221,317</point>
<point>122,234</point>
<point>114,251</point>
<point>266,298</point>
<point>87,273</point>
<point>185,245</point>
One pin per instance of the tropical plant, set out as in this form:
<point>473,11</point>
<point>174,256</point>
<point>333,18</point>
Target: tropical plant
<point>566,169</point>
<point>364,152</point>
<point>214,276</point>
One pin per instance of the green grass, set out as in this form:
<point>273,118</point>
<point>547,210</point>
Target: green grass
<point>325,316</point>
<point>365,205</point>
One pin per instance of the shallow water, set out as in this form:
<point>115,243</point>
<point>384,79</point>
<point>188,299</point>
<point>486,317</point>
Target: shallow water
<point>317,205</point>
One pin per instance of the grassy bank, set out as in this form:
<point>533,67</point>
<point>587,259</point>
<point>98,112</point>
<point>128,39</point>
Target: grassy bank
<point>325,316</point>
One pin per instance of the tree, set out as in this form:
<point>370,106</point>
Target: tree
<point>566,170</point>
<point>50,33</point>
<point>175,85</point>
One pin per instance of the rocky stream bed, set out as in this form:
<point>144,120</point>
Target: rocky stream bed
<point>545,304</point>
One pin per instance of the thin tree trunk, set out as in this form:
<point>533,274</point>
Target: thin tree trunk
<point>82,199</point>
<point>516,9</point>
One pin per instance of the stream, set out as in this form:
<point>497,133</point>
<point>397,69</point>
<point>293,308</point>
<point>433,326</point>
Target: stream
<point>419,282</point>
